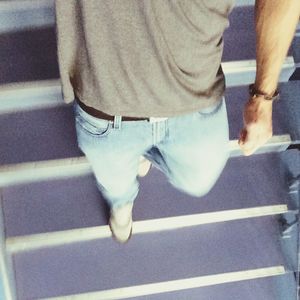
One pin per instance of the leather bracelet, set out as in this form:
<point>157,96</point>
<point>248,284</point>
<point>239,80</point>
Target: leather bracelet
<point>256,93</point>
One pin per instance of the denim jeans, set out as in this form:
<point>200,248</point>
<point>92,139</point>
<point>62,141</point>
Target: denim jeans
<point>190,149</point>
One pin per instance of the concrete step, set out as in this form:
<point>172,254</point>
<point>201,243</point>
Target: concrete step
<point>153,258</point>
<point>53,212</point>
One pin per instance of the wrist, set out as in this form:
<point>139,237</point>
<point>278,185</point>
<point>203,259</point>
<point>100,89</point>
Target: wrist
<point>260,102</point>
<point>264,83</point>
<point>262,95</point>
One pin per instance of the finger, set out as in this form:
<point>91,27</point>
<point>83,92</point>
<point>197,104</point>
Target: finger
<point>250,150</point>
<point>253,144</point>
<point>250,143</point>
<point>242,137</point>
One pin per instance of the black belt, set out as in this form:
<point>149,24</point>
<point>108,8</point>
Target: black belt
<point>101,115</point>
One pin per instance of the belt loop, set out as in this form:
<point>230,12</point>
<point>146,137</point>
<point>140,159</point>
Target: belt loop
<point>117,122</point>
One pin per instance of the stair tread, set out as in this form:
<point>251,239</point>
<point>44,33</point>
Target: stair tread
<point>61,204</point>
<point>148,258</point>
<point>34,139</point>
<point>75,202</point>
<point>296,48</point>
<point>37,135</point>
<point>279,287</point>
<point>239,38</point>
<point>30,55</point>
<point>31,52</point>
<point>29,43</point>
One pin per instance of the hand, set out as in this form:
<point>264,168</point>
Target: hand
<point>257,125</point>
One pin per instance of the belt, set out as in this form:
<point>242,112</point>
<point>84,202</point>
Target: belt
<point>101,115</point>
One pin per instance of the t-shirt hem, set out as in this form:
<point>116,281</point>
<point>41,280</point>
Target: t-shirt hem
<point>161,114</point>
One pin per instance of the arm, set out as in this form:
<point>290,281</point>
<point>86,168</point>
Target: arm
<point>275,23</point>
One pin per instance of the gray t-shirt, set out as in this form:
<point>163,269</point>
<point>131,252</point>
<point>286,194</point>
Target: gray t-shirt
<point>142,58</point>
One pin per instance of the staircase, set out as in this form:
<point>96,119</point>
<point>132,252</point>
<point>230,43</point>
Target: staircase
<point>240,241</point>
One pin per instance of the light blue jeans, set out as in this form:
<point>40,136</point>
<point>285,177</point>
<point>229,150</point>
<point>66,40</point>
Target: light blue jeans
<point>191,150</point>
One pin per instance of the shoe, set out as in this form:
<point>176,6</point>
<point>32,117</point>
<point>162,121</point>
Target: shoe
<point>120,223</point>
<point>144,166</point>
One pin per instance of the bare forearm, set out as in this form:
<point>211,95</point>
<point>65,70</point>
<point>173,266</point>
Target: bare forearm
<point>276,21</point>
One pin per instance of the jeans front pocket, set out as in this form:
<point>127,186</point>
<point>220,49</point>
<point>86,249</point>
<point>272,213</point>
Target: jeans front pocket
<point>99,128</point>
<point>90,125</point>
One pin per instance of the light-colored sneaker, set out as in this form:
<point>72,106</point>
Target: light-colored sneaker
<point>144,166</point>
<point>120,223</point>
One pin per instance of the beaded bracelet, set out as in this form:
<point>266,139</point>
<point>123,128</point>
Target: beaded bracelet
<point>256,93</point>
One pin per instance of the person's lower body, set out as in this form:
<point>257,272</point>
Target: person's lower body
<point>191,150</point>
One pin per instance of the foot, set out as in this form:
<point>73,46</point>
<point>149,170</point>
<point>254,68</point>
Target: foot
<point>144,166</point>
<point>120,223</point>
